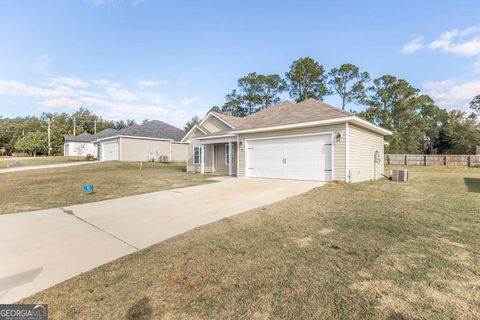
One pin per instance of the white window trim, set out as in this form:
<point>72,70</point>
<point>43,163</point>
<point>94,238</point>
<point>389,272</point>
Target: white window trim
<point>199,155</point>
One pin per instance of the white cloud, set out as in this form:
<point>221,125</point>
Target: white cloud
<point>121,94</point>
<point>414,45</point>
<point>452,95</point>
<point>69,81</point>
<point>464,42</point>
<point>101,82</point>
<point>112,100</point>
<point>151,83</point>
<point>189,101</point>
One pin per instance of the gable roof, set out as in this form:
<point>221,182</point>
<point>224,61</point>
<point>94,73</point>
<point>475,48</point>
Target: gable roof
<point>290,113</point>
<point>232,120</point>
<point>153,129</point>
<point>83,137</point>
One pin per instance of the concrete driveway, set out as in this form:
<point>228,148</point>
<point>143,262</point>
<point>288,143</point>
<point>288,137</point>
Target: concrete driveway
<point>42,248</point>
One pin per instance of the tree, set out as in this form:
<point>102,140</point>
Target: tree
<point>307,79</point>
<point>261,91</point>
<point>234,105</point>
<point>349,83</point>
<point>475,105</point>
<point>190,124</point>
<point>256,92</point>
<point>461,133</point>
<point>395,105</point>
<point>33,143</point>
<point>214,108</point>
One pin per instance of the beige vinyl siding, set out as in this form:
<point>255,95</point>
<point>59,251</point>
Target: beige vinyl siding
<point>220,158</point>
<point>133,149</point>
<point>213,125</point>
<point>338,146</point>
<point>191,167</point>
<point>362,146</point>
<point>179,151</point>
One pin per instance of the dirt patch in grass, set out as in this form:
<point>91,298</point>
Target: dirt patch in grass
<point>389,259</point>
<point>50,188</point>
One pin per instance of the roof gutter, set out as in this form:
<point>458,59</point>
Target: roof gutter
<point>352,119</point>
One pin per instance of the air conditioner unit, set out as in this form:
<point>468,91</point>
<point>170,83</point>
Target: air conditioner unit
<point>162,158</point>
<point>399,175</point>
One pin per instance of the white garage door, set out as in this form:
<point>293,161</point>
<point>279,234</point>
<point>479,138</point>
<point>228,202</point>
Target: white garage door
<point>110,151</point>
<point>300,158</point>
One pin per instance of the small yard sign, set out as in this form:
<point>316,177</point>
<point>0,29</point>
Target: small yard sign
<point>88,188</point>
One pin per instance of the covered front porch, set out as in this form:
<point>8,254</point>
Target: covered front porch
<point>217,155</point>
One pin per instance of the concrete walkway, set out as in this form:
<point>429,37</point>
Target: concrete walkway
<point>42,248</point>
<point>46,166</point>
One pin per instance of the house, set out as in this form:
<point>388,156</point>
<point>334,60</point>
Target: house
<point>79,146</point>
<point>309,140</point>
<point>153,140</point>
<point>83,145</point>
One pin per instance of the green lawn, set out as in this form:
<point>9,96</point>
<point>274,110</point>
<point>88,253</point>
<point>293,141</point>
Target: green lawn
<point>35,161</point>
<point>373,250</point>
<point>49,188</point>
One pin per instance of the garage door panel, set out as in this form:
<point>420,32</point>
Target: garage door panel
<point>110,151</point>
<point>300,158</point>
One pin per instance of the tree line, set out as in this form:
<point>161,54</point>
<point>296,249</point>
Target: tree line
<point>417,123</point>
<point>28,135</point>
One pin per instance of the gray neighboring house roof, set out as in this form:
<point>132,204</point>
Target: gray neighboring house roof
<point>83,137</point>
<point>152,129</point>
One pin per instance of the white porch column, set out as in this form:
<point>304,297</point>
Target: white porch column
<point>213,158</point>
<point>202,159</point>
<point>230,158</point>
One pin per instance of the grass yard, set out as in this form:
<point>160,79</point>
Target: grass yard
<point>35,161</point>
<point>373,250</point>
<point>49,188</point>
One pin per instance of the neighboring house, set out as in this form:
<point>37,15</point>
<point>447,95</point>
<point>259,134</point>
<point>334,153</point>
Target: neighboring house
<point>310,140</point>
<point>79,146</point>
<point>153,140</point>
<point>478,150</point>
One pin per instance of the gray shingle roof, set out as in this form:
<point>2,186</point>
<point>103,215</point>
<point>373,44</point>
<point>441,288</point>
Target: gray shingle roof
<point>234,121</point>
<point>83,137</point>
<point>284,113</point>
<point>153,129</point>
<point>290,113</point>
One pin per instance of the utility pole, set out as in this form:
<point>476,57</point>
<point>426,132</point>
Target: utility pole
<point>49,142</point>
<point>95,126</point>
<point>73,125</point>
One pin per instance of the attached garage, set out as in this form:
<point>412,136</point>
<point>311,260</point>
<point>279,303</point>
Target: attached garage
<point>308,140</point>
<point>110,150</point>
<point>304,157</point>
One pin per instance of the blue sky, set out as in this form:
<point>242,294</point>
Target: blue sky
<point>170,60</point>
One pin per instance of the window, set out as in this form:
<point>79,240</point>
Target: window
<point>227,153</point>
<point>197,155</point>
